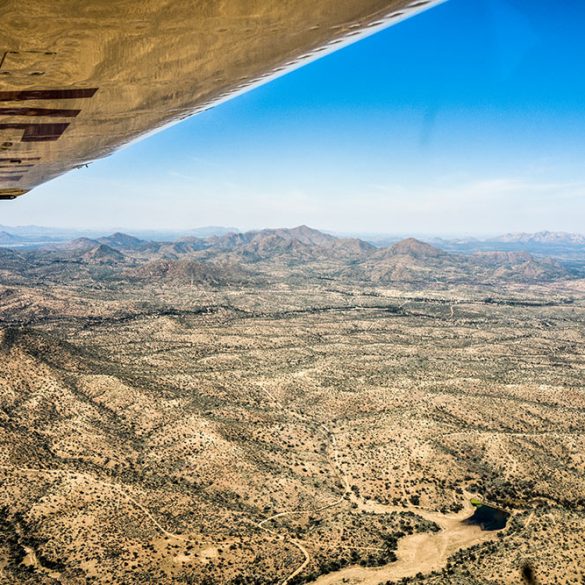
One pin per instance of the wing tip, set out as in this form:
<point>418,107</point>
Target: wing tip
<point>7,194</point>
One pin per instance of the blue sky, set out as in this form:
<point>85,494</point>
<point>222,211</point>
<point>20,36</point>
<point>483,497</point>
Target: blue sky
<point>469,118</point>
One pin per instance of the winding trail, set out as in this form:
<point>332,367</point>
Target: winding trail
<point>306,562</point>
<point>293,541</point>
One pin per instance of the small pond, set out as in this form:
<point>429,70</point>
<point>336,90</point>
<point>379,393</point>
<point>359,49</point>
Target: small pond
<point>489,518</point>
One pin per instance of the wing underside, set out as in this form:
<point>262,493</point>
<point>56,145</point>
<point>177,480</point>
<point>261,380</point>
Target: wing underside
<point>81,78</point>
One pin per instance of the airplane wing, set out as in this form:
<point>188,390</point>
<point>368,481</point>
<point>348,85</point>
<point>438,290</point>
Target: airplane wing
<point>81,78</point>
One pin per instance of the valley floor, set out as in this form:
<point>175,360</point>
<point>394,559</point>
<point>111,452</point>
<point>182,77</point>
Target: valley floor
<point>293,434</point>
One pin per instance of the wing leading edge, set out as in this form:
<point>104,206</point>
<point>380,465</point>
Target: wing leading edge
<point>81,78</point>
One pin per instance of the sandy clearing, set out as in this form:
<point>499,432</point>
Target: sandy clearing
<point>417,553</point>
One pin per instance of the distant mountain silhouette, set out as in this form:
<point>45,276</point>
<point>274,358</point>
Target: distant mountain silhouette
<point>544,237</point>
<point>181,247</point>
<point>8,238</point>
<point>78,245</point>
<point>211,230</point>
<point>122,242</point>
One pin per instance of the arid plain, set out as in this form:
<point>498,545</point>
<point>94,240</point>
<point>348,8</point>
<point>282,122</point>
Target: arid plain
<point>289,407</point>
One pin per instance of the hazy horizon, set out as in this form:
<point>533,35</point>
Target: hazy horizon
<point>109,230</point>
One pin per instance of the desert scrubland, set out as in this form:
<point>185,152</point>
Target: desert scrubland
<point>289,409</point>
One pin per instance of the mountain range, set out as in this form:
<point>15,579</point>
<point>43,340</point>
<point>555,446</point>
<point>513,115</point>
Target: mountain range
<point>272,255</point>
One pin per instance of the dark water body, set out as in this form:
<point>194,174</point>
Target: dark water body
<point>489,518</point>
